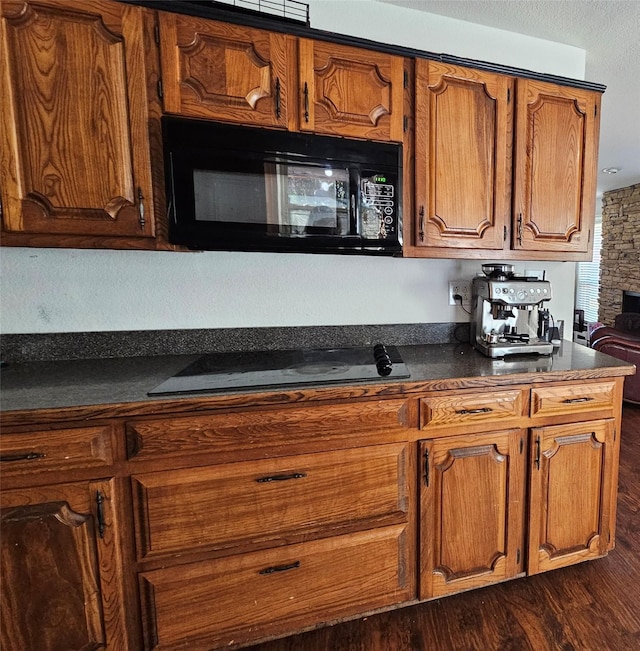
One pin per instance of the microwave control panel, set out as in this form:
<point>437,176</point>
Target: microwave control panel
<point>378,207</point>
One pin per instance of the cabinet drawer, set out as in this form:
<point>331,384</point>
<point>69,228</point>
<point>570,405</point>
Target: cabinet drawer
<point>470,408</point>
<point>277,591</point>
<point>574,399</point>
<point>271,502</point>
<point>61,449</point>
<point>269,431</point>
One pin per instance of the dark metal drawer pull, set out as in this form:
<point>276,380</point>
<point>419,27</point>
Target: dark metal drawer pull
<point>280,568</point>
<point>100,513</point>
<point>295,475</point>
<point>569,401</point>
<point>481,410</point>
<point>25,456</point>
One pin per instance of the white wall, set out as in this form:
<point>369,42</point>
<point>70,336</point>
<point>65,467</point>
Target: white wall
<point>67,290</point>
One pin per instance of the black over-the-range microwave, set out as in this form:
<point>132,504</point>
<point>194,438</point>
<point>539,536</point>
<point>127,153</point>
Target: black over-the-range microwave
<point>250,189</point>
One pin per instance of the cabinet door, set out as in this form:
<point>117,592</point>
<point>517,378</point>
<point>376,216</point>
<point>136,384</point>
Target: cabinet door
<point>75,151</point>
<point>60,569</point>
<point>349,91</point>
<point>555,174</point>
<point>572,483</point>
<point>224,72</point>
<point>471,511</point>
<point>463,157</point>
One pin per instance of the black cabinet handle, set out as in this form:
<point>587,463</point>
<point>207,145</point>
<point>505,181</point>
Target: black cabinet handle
<point>421,227</point>
<point>100,513</point>
<point>480,410</point>
<point>280,568</point>
<point>537,453</point>
<point>570,401</point>
<point>306,102</point>
<point>22,456</point>
<point>277,97</point>
<point>294,475</point>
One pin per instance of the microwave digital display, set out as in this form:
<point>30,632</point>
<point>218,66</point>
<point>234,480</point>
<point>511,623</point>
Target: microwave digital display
<point>240,188</point>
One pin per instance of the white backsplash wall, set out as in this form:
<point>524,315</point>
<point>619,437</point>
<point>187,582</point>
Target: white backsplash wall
<point>72,290</point>
<point>68,290</point>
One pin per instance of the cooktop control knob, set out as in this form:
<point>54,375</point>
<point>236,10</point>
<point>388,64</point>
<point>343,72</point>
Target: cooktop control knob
<point>383,361</point>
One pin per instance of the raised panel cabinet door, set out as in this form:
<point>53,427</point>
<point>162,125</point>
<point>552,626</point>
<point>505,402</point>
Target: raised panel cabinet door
<point>471,511</point>
<point>225,72</point>
<point>463,139</point>
<point>60,569</point>
<point>349,91</point>
<point>572,483</point>
<point>555,174</point>
<point>75,150</point>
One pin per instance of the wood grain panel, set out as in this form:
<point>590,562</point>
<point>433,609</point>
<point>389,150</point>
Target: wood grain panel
<point>267,432</point>
<point>74,102</point>
<point>463,156</point>
<point>350,91</point>
<point>221,602</point>
<point>582,399</point>
<point>570,493</point>
<point>64,449</point>
<point>223,71</point>
<point>555,167</point>
<point>472,408</point>
<point>271,502</point>
<point>472,511</point>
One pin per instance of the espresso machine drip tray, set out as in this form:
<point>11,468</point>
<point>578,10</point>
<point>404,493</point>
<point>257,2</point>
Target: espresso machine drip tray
<point>266,369</point>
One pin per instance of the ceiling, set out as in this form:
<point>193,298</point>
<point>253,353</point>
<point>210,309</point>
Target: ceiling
<point>608,32</point>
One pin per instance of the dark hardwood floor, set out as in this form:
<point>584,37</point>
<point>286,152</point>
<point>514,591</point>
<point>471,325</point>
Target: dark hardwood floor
<point>593,606</point>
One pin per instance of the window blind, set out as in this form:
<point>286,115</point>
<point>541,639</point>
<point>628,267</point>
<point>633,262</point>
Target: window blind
<point>588,279</point>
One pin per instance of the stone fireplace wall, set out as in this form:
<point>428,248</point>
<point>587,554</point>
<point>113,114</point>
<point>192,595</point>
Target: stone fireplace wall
<point>620,261</point>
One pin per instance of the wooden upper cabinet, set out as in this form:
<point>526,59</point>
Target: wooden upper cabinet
<point>572,493</point>
<point>75,146</point>
<point>555,173</point>
<point>463,156</point>
<point>224,72</point>
<point>349,91</point>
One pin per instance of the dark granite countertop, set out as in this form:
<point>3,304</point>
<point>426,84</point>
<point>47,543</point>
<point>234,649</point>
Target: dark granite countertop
<point>101,388</point>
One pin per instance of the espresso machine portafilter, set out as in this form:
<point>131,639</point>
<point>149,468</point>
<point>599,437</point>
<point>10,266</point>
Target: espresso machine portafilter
<point>508,315</point>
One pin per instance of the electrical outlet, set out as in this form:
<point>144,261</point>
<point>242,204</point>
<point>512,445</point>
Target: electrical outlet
<point>463,289</point>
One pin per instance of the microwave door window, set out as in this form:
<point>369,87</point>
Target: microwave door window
<point>312,199</point>
<point>229,197</point>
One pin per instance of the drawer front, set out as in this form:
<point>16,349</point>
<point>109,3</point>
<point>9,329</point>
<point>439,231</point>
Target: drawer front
<point>61,449</point>
<point>277,591</point>
<point>574,399</point>
<point>471,408</point>
<point>268,431</point>
<point>264,503</point>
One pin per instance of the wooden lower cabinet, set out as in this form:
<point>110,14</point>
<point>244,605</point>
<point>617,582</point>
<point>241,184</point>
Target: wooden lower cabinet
<point>61,569</point>
<point>227,527</point>
<point>572,493</point>
<point>277,591</point>
<point>472,500</point>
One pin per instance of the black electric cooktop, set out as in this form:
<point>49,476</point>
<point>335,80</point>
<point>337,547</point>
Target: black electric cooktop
<point>265,369</point>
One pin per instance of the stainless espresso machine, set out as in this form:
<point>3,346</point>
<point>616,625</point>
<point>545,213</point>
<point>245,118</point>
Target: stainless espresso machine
<point>508,316</point>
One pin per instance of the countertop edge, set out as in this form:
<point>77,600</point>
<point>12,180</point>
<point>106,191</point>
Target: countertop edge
<point>195,404</point>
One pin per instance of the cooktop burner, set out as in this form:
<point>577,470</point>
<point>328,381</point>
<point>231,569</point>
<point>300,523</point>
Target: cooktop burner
<point>223,371</point>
